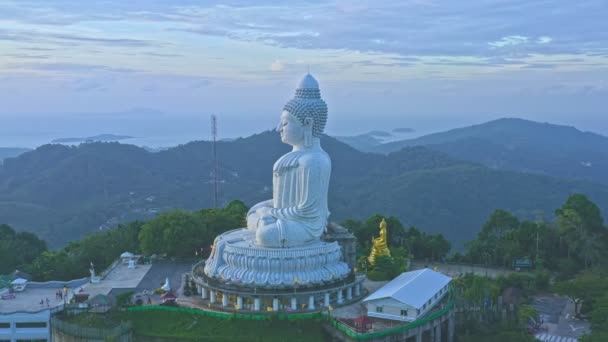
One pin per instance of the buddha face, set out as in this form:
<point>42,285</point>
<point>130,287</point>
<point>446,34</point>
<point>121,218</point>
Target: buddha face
<point>291,129</point>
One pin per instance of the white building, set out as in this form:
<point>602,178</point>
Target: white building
<point>25,326</point>
<point>409,296</point>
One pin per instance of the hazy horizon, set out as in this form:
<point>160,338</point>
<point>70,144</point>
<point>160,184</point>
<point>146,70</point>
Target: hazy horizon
<point>164,130</point>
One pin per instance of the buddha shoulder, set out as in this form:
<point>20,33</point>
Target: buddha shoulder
<point>315,159</point>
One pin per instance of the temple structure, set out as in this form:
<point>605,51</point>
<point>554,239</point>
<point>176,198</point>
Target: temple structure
<point>289,254</point>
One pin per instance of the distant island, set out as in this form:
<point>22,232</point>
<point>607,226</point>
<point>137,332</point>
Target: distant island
<point>100,137</point>
<point>378,134</point>
<point>404,130</point>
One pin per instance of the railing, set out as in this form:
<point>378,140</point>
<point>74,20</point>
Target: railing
<point>57,283</point>
<point>52,310</point>
<point>109,269</point>
<point>218,314</point>
<point>418,264</point>
<point>90,333</point>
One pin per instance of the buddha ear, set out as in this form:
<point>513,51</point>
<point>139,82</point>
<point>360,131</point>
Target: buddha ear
<point>308,124</point>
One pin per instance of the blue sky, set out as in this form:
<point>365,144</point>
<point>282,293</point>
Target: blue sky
<point>421,63</point>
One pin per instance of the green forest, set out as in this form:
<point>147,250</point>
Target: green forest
<point>568,254</point>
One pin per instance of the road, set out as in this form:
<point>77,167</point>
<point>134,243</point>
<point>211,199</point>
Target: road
<point>456,270</point>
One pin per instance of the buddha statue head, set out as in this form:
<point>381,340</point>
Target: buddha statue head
<point>304,117</point>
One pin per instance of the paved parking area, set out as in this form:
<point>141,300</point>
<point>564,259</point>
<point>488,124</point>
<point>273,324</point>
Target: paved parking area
<point>34,299</point>
<point>557,317</point>
<point>162,270</point>
<point>121,277</point>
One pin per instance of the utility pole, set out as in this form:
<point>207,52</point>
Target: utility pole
<point>540,219</point>
<point>215,176</point>
<point>536,243</point>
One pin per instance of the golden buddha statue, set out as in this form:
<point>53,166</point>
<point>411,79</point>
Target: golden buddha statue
<point>379,245</point>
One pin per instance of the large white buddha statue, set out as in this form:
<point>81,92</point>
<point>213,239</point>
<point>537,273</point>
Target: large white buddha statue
<point>297,213</point>
<point>282,245</point>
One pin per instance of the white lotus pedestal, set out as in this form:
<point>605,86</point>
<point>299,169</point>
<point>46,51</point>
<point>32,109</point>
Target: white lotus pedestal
<point>237,260</point>
<point>309,277</point>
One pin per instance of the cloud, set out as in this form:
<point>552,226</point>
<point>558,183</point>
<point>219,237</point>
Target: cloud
<point>72,67</point>
<point>277,65</point>
<point>411,27</point>
<point>26,56</point>
<point>100,41</point>
<point>541,66</point>
<point>201,83</point>
<point>158,54</point>
<point>83,85</point>
<point>493,28</point>
<point>32,36</point>
<point>509,41</point>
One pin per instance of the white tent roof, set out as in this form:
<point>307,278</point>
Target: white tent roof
<point>126,255</point>
<point>412,288</point>
<point>19,281</point>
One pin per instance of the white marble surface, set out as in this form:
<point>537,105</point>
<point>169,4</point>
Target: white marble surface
<point>281,246</point>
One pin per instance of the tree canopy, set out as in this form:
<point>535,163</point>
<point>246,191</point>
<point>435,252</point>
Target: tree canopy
<point>18,249</point>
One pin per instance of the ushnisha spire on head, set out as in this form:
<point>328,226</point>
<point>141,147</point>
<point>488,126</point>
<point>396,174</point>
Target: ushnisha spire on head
<point>307,103</point>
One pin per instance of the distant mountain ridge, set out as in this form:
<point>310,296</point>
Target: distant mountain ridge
<point>64,192</point>
<point>99,137</point>
<point>520,145</point>
<point>368,141</point>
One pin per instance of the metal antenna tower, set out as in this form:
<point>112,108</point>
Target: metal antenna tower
<point>215,175</point>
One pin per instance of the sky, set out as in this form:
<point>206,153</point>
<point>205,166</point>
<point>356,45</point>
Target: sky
<point>159,67</point>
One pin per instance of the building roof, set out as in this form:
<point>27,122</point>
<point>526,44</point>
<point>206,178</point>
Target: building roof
<point>412,288</point>
<point>19,281</point>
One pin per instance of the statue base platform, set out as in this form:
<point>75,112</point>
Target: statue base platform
<point>236,259</point>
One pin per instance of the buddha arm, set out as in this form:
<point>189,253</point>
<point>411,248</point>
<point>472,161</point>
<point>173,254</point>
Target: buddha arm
<point>267,203</point>
<point>253,217</point>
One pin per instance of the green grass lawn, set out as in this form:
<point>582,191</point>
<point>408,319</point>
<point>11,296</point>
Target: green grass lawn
<point>191,327</point>
<point>202,328</point>
<point>92,320</point>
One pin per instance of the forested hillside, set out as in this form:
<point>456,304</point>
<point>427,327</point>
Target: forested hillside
<point>63,193</point>
<point>521,145</point>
